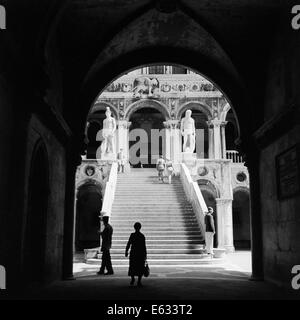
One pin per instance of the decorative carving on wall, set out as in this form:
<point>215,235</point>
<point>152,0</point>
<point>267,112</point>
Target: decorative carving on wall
<point>90,171</point>
<point>145,87</point>
<point>203,171</point>
<point>166,87</point>
<point>241,177</point>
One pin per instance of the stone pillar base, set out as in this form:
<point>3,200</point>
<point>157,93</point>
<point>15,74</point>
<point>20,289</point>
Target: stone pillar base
<point>229,249</point>
<point>188,158</point>
<point>108,157</point>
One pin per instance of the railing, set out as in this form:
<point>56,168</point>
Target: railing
<point>194,196</point>
<point>234,156</point>
<point>110,189</point>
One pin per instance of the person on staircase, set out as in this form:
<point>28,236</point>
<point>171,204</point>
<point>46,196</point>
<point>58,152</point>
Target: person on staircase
<point>209,231</point>
<point>106,235</point>
<point>121,161</point>
<point>138,254</point>
<point>160,167</point>
<point>170,170</point>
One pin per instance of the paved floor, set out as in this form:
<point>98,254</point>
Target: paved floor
<point>208,282</point>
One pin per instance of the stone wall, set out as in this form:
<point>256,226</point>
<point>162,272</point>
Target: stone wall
<point>280,218</point>
<point>56,195</point>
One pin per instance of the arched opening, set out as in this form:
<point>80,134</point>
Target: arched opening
<point>147,101</point>
<point>88,208</point>
<point>93,128</point>
<point>150,121</point>
<point>231,131</point>
<point>36,220</point>
<point>241,218</point>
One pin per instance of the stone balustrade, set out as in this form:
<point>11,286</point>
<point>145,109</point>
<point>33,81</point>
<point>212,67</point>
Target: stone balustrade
<point>110,189</point>
<point>194,195</point>
<point>234,156</point>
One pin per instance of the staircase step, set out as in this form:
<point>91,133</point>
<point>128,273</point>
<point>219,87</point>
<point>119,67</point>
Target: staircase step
<point>172,232</point>
<point>164,262</point>
<point>161,242</point>
<point>153,256</point>
<point>165,251</point>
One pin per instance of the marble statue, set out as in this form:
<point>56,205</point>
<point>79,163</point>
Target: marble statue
<point>108,132</point>
<point>188,132</point>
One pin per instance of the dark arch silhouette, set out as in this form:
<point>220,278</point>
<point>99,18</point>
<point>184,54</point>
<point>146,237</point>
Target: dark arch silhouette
<point>241,218</point>
<point>88,208</point>
<point>34,256</point>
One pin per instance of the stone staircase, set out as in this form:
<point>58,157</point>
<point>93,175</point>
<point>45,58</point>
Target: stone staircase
<point>173,236</point>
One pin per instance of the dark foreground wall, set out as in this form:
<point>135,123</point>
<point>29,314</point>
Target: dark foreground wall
<point>280,216</point>
<point>55,196</point>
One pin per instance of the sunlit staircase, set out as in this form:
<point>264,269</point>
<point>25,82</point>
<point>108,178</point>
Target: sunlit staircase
<point>173,236</point>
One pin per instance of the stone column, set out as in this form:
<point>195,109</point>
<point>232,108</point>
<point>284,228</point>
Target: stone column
<point>223,139</point>
<point>123,137</point>
<point>173,139</point>
<point>252,162</point>
<point>210,141</point>
<point>72,161</point>
<point>215,139</point>
<point>225,224</point>
<point>168,134</point>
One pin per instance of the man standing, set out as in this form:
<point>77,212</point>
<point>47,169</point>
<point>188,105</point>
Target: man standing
<point>121,161</point>
<point>106,235</point>
<point>209,231</point>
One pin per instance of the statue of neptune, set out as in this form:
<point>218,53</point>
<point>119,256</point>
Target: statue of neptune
<point>188,132</point>
<point>109,128</point>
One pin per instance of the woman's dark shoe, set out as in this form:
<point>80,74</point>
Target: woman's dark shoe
<point>132,282</point>
<point>139,284</point>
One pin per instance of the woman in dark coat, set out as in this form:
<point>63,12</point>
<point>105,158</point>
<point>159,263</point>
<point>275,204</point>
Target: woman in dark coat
<point>138,254</point>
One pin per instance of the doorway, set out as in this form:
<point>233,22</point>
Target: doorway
<point>147,119</point>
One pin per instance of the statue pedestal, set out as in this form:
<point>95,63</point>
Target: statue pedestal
<point>189,158</point>
<point>108,157</point>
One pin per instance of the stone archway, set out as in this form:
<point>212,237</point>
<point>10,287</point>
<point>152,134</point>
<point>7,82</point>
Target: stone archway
<point>101,106</point>
<point>88,208</point>
<point>113,61</point>
<point>34,255</point>
<point>151,140</point>
<point>194,105</point>
<point>146,103</point>
<point>201,114</point>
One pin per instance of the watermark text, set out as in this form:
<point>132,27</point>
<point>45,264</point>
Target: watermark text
<point>2,18</point>
<point>296,17</point>
<point>296,279</point>
<point>2,278</point>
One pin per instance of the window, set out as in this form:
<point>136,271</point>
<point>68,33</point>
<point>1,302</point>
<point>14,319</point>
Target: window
<point>156,69</point>
<point>179,70</point>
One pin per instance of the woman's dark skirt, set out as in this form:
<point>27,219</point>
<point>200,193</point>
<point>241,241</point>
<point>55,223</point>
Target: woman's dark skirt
<point>136,266</point>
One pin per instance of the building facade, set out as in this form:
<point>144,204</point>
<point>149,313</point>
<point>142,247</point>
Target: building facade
<point>152,101</point>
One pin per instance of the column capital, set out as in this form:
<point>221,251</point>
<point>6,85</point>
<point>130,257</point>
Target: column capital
<point>172,124</point>
<point>216,123</point>
<point>124,124</point>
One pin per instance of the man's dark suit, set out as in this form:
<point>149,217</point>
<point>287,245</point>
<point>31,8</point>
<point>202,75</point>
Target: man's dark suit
<point>106,235</point>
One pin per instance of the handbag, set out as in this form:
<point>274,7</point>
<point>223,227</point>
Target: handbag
<point>146,270</point>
